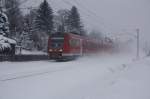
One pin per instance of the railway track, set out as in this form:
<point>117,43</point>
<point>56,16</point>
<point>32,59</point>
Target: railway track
<point>20,58</point>
<point>23,75</point>
<point>32,73</point>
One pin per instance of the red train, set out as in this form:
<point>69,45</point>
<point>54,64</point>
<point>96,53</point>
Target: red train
<point>64,46</point>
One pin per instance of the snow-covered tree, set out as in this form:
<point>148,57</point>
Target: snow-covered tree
<point>43,25</point>
<point>5,43</point>
<point>4,28</point>
<point>25,41</point>
<point>26,37</point>
<point>15,17</point>
<point>74,21</point>
<point>44,18</point>
<point>61,21</point>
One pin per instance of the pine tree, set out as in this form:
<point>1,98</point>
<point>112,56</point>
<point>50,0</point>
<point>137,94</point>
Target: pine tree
<point>75,22</point>
<point>43,25</point>
<point>26,36</point>
<point>5,43</point>
<point>44,19</point>
<point>4,28</point>
<point>61,20</point>
<point>14,16</point>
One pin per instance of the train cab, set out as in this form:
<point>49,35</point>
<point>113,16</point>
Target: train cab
<point>55,45</point>
<point>64,46</point>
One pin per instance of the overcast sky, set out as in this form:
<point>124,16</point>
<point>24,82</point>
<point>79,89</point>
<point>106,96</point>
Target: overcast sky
<point>111,16</point>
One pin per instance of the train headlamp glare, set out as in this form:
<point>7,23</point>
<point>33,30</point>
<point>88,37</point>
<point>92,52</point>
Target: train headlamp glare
<point>60,50</point>
<point>50,50</point>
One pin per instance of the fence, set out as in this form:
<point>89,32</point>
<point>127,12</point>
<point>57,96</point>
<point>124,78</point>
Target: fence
<point>23,58</point>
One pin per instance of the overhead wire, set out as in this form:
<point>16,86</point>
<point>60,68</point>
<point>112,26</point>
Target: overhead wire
<point>52,2</point>
<point>88,13</point>
<point>20,3</point>
<point>92,15</point>
<point>70,4</point>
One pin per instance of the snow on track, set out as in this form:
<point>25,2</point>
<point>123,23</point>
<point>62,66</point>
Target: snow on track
<point>22,70</point>
<point>29,69</point>
<point>105,77</point>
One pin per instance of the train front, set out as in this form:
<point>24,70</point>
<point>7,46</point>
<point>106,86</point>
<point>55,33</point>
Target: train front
<point>55,46</point>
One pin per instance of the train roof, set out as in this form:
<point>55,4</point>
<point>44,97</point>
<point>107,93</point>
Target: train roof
<point>60,34</point>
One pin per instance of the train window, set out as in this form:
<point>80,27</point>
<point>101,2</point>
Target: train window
<point>57,38</point>
<point>57,42</point>
<point>74,43</point>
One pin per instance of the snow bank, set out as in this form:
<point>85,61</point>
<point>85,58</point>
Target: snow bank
<point>6,39</point>
<point>5,42</point>
<point>28,52</point>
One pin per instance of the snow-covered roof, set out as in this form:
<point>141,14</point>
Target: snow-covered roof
<point>5,42</point>
<point>5,39</point>
<point>4,45</point>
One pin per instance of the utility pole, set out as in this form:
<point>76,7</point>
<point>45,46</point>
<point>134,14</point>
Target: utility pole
<point>138,43</point>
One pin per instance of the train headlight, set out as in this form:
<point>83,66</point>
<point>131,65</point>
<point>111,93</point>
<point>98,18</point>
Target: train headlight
<point>50,50</point>
<point>60,50</point>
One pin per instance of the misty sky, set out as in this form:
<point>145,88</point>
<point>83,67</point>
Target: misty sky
<point>111,16</point>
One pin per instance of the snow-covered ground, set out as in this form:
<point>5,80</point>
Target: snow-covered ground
<point>94,77</point>
<point>27,52</point>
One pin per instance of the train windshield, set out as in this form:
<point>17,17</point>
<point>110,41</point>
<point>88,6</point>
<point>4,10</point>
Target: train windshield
<point>57,42</point>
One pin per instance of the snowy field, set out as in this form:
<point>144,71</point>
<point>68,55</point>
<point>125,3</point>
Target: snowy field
<point>94,77</point>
